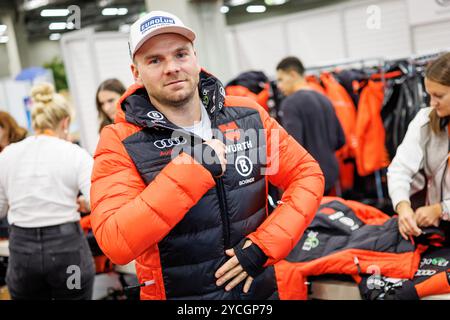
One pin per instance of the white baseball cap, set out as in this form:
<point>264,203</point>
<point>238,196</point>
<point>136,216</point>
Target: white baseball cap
<point>153,24</point>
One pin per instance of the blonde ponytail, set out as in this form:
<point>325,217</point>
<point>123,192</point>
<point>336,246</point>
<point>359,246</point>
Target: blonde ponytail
<point>49,108</point>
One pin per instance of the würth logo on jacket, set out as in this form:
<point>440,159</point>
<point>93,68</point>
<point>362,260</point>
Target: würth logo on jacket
<point>237,147</point>
<point>230,131</point>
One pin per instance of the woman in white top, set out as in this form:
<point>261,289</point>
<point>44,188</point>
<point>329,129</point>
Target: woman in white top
<point>425,147</point>
<point>40,179</point>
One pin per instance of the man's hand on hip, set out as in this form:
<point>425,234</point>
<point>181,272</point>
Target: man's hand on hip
<point>232,270</point>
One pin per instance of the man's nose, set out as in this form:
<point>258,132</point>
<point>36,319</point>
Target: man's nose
<point>172,66</point>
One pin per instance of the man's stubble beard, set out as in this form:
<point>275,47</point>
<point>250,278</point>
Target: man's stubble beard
<point>176,103</point>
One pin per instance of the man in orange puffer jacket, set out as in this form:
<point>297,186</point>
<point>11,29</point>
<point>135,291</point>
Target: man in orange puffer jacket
<point>180,182</point>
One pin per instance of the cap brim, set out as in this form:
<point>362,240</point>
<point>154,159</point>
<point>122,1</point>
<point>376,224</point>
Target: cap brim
<point>183,31</point>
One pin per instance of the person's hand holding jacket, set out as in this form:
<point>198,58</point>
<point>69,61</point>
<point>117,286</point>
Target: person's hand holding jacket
<point>410,221</point>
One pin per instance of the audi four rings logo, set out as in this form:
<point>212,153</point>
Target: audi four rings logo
<point>155,115</point>
<point>444,3</point>
<point>171,142</point>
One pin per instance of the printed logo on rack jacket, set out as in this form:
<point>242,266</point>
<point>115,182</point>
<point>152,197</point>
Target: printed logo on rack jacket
<point>155,21</point>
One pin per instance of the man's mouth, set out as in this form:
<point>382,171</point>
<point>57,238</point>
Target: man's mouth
<point>174,82</point>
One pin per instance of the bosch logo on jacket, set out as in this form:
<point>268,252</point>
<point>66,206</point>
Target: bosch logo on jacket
<point>175,219</point>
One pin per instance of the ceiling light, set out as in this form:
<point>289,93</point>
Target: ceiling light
<point>110,11</point>
<point>54,12</point>
<point>61,26</point>
<point>114,11</point>
<point>275,2</point>
<point>55,36</point>
<point>256,9</point>
<point>234,3</point>
<point>104,3</point>
<point>3,28</point>
<point>125,28</point>
<point>57,26</point>
<point>34,4</point>
<point>224,9</point>
<point>4,39</point>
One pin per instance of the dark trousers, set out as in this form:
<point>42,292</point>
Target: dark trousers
<point>50,263</point>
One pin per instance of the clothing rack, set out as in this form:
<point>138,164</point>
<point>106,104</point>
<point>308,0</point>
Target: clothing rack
<point>364,62</point>
<point>379,61</point>
<point>423,58</point>
<point>382,63</point>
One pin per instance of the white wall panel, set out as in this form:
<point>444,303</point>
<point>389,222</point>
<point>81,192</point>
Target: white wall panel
<point>91,58</point>
<point>113,58</point>
<point>432,37</point>
<point>82,78</point>
<point>317,38</point>
<point>260,47</point>
<point>391,39</point>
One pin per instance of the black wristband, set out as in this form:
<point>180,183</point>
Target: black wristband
<point>252,258</point>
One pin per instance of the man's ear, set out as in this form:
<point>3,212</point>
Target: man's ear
<point>293,74</point>
<point>135,72</point>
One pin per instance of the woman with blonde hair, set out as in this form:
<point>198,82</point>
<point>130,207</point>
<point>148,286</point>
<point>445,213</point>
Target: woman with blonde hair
<point>10,131</point>
<point>426,148</point>
<point>40,180</point>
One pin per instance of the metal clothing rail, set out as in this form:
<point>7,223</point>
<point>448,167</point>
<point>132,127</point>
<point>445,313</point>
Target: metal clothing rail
<point>428,56</point>
<point>363,61</point>
<point>379,62</point>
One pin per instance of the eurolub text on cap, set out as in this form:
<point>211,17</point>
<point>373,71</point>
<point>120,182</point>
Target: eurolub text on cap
<point>153,24</point>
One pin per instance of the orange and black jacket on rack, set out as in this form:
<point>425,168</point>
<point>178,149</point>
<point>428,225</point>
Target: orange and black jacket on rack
<point>346,113</point>
<point>349,238</point>
<point>176,220</point>
<point>371,153</point>
<point>431,278</point>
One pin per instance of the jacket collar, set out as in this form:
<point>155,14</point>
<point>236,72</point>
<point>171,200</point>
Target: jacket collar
<point>135,105</point>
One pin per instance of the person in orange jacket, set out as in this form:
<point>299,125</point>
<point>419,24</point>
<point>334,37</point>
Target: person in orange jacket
<point>180,186</point>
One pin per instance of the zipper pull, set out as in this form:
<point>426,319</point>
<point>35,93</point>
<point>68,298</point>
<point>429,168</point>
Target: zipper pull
<point>145,284</point>
<point>356,261</point>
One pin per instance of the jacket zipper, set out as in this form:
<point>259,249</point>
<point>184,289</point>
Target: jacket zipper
<point>222,198</point>
<point>223,212</point>
<point>221,193</point>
